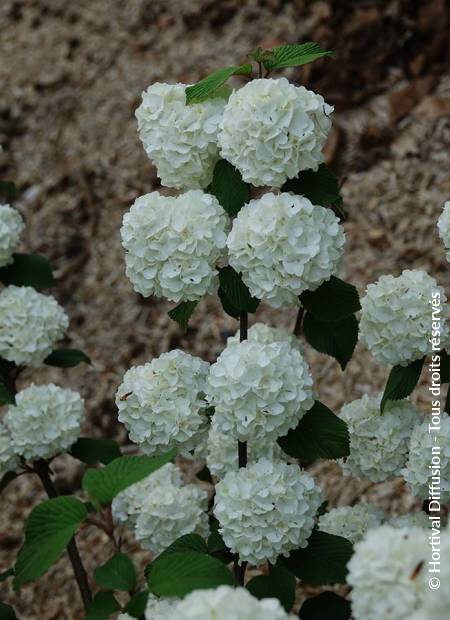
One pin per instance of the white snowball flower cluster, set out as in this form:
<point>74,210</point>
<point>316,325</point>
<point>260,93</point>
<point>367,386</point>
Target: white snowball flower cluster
<point>444,227</point>
<point>417,471</point>
<point>162,402</point>
<point>259,391</point>
<point>173,243</point>
<point>409,520</point>
<point>8,457</point>
<point>266,509</point>
<point>437,602</point>
<point>124,617</point>
<point>11,228</point>
<point>385,573</point>
<point>265,334</point>
<point>284,245</point>
<point>272,129</point>
<point>30,325</point>
<point>396,317</point>
<point>180,139</point>
<point>351,522</point>
<point>158,609</point>
<point>378,443</point>
<point>226,603</point>
<point>46,420</point>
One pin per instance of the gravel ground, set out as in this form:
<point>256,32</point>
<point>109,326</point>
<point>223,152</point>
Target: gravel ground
<point>72,77</point>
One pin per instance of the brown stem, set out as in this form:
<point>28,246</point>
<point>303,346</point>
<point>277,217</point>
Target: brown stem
<point>299,321</point>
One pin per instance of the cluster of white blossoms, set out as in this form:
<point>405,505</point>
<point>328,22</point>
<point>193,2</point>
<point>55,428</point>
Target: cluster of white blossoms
<point>264,334</point>
<point>284,245</point>
<point>158,609</point>
<point>162,402</point>
<point>351,522</point>
<point>181,139</point>
<point>161,508</point>
<point>266,509</point>
<point>386,574</point>
<point>8,457</point>
<point>259,391</point>
<point>173,243</point>
<point>11,228</point>
<point>272,129</point>
<point>45,420</point>
<point>444,227</point>
<point>30,325</point>
<point>417,470</point>
<point>379,444</point>
<point>410,520</point>
<point>396,317</point>
<point>436,603</point>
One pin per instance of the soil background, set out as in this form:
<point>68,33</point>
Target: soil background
<point>71,74</point>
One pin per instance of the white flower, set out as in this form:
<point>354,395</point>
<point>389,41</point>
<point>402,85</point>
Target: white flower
<point>226,603</point>
<point>351,522</point>
<point>378,443</point>
<point>444,227</point>
<point>124,617</point>
<point>272,129</point>
<point>396,317</point>
<point>172,244</point>
<point>180,139</point>
<point>266,510</point>
<point>45,420</point>
<point>264,334</point>
<point>410,520</point>
<point>284,245</point>
<point>259,391</point>
<point>437,602</point>
<point>30,325</point>
<point>11,228</point>
<point>417,472</point>
<point>162,402</point>
<point>8,457</point>
<point>386,574</point>
<point>158,609</point>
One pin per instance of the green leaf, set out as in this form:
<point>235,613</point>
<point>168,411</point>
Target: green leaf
<point>182,313</point>
<point>92,450</point>
<point>187,542</point>
<point>208,86</point>
<point>401,382</point>
<point>7,612</point>
<point>235,291</point>
<point>229,188</point>
<point>334,300</point>
<point>48,530</point>
<point>325,606</point>
<point>67,358</point>
<point>28,270</point>
<point>6,574</point>
<point>6,396</point>
<point>320,434</point>
<point>6,479</point>
<point>323,562</point>
<point>294,55</point>
<point>102,607</point>
<point>320,187</point>
<point>8,189</point>
<point>137,604</point>
<point>279,583</point>
<point>215,540</point>
<point>105,483</point>
<point>337,339</point>
<point>228,308</point>
<point>117,574</point>
<point>178,573</point>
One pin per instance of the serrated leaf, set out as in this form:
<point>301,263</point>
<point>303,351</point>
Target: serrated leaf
<point>48,530</point>
<point>7,612</point>
<point>215,540</point>
<point>401,382</point>
<point>182,313</point>
<point>6,479</point>
<point>187,542</point>
<point>325,606</point>
<point>67,358</point>
<point>208,86</point>
<point>92,450</point>
<point>6,396</point>
<point>117,573</point>
<point>235,291</point>
<point>8,189</point>
<point>320,187</point>
<point>105,483</point>
<point>28,270</point>
<point>337,339</point>
<point>294,55</point>
<point>102,607</point>
<point>229,188</point>
<point>279,583</point>
<point>334,300</point>
<point>227,307</point>
<point>323,561</point>
<point>176,574</point>
<point>137,604</point>
<point>320,434</point>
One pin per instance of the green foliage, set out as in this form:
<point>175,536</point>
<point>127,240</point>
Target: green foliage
<point>28,270</point>
<point>215,540</point>
<point>188,542</point>
<point>7,612</point>
<point>323,561</point>
<point>337,339</point>
<point>229,188</point>
<point>325,606</point>
<point>401,382</point>
<point>6,396</point>
<point>234,294</point>
<point>67,358</point>
<point>182,313</point>
<point>92,450</point>
<point>320,434</point>
<point>208,86</point>
<point>320,187</point>
<point>296,55</point>
<point>105,483</point>
<point>48,530</point>
<point>102,607</point>
<point>8,189</point>
<point>117,574</point>
<point>334,300</point>
<point>137,604</point>
<point>279,583</point>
